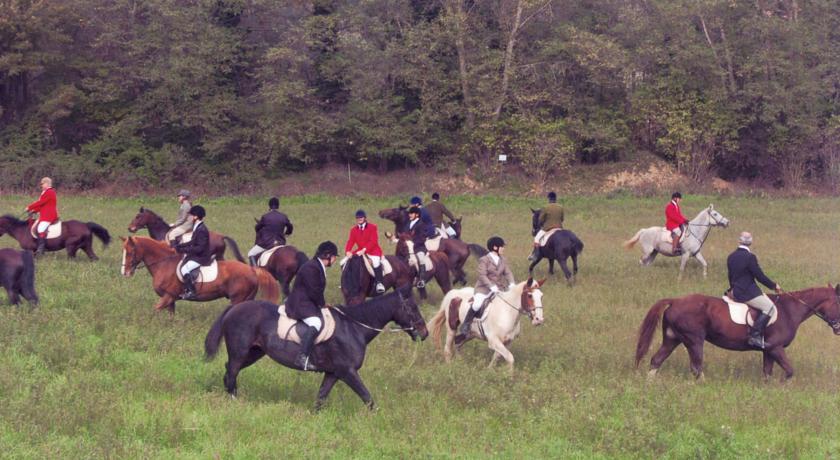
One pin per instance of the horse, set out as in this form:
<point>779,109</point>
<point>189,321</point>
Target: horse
<point>250,332</point>
<point>158,228</point>
<point>283,264</point>
<point>17,275</point>
<point>500,324</point>
<point>656,240</point>
<point>441,265</point>
<point>696,318</point>
<point>560,246</point>
<point>357,284</point>
<point>456,250</point>
<point>75,235</point>
<point>236,281</point>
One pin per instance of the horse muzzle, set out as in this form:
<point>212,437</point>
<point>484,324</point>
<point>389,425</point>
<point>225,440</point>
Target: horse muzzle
<point>419,334</point>
<point>132,229</point>
<point>537,322</point>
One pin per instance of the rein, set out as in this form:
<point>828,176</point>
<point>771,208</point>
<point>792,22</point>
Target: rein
<point>833,324</point>
<point>393,329</point>
<point>706,236</point>
<point>520,310</point>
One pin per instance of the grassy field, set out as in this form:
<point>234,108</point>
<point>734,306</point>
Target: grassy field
<point>94,372</point>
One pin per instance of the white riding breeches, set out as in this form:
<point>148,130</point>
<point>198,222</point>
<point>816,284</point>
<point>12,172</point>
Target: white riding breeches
<point>422,258</point>
<point>188,267</point>
<point>175,233</point>
<point>256,250</point>
<point>313,321</point>
<point>762,303</point>
<point>539,236</point>
<point>478,300</point>
<point>43,226</point>
<point>375,261</point>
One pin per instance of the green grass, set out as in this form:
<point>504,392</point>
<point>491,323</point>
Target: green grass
<point>94,372</point>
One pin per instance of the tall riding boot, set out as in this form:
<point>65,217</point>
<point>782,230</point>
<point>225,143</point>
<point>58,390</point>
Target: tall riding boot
<point>252,261</point>
<point>307,341</point>
<point>464,330</point>
<point>42,245</point>
<point>535,253</point>
<point>675,245</point>
<point>421,274</point>
<point>757,331</point>
<point>377,275</point>
<point>189,285</point>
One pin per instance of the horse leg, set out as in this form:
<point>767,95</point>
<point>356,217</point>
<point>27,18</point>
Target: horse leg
<point>442,278</point>
<point>574,263</point>
<point>702,260</point>
<point>695,355</point>
<point>665,350</point>
<point>326,386</point>
<point>534,263</point>
<point>565,267</point>
<point>87,246</point>
<point>449,345</point>
<point>166,301</point>
<point>354,381</point>
<point>768,366</point>
<point>493,360</point>
<point>683,261</point>
<point>779,355</point>
<point>550,266</point>
<point>499,347</point>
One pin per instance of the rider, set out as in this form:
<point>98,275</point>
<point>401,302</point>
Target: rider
<point>675,221</point>
<point>197,251</point>
<point>420,231</point>
<point>182,224</point>
<point>307,299</point>
<point>743,272</point>
<point>416,202</point>
<point>47,208</point>
<point>272,230</point>
<point>551,217</point>
<point>436,211</point>
<point>493,276</point>
<point>366,236</point>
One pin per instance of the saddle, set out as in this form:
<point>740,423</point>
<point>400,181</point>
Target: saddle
<point>287,328</point>
<point>263,260</point>
<point>668,238</point>
<point>53,231</point>
<point>548,234</point>
<point>741,313</point>
<point>412,258</point>
<point>433,244</point>
<point>207,273</point>
<point>386,266</point>
<point>480,316</point>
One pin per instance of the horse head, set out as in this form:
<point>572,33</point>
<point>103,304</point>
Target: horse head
<point>535,221</point>
<point>831,312</point>
<point>408,315</point>
<point>532,300</point>
<point>402,240</point>
<point>396,215</point>
<point>141,220</point>
<point>9,223</point>
<point>717,219</point>
<point>351,280</point>
<point>130,259</point>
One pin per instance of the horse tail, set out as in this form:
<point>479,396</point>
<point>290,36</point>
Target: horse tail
<point>632,241</point>
<point>577,244</point>
<point>214,336</point>
<point>477,250</point>
<point>267,287</point>
<point>649,325</point>
<point>27,281</point>
<point>234,247</point>
<point>100,232</point>
<point>436,326</point>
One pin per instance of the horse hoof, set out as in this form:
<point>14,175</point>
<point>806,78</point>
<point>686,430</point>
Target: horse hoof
<point>652,375</point>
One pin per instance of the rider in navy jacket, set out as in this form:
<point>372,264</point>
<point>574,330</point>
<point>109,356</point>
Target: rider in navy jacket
<point>743,272</point>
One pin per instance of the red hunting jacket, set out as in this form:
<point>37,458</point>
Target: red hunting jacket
<point>46,206</point>
<point>673,216</point>
<point>367,239</point>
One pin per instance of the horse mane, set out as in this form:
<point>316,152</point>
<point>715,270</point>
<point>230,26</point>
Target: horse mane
<point>371,311</point>
<point>154,215</point>
<point>13,220</point>
<point>351,274</point>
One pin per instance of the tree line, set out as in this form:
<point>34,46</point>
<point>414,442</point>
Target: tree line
<point>149,91</point>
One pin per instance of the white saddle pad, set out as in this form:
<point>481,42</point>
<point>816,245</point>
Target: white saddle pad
<point>263,261</point>
<point>433,244</point>
<point>666,236</point>
<point>740,312</point>
<point>287,331</point>
<point>412,258</point>
<point>53,231</point>
<point>548,234</point>
<point>207,274</point>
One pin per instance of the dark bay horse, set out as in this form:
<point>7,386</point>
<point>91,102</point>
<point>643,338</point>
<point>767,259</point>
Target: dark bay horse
<point>560,246</point>
<point>250,332</point>
<point>157,227</point>
<point>284,264</point>
<point>75,235</point>
<point>357,284</point>
<point>236,281</point>
<point>457,250</point>
<point>439,260</point>
<point>696,318</point>
<point>17,275</point>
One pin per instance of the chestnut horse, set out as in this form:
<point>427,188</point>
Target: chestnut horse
<point>17,275</point>
<point>284,264</point>
<point>158,228</point>
<point>357,284</point>
<point>696,318</point>
<point>75,235</point>
<point>439,260</point>
<point>235,281</point>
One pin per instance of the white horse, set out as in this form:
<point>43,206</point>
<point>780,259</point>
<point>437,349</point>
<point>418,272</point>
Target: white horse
<point>656,240</point>
<point>500,323</point>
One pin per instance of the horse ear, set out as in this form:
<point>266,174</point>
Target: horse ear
<point>130,241</point>
<point>142,209</point>
<point>541,282</point>
<point>711,206</point>
<point>122,238</point>
<point>532,209</point>
<point>530,280</point>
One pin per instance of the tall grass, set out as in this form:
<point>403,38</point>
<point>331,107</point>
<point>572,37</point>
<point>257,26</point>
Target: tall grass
<point>94,372</point>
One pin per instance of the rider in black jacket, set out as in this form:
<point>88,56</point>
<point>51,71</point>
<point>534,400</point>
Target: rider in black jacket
<point>743,272</point>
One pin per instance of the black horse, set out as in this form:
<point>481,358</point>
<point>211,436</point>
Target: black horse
<point>562,245</point>
<point>250,332</point>
<point>357,284</point>
<point>17,274</point>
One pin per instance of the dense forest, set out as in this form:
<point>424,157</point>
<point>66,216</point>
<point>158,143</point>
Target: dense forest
<point>147,91</point>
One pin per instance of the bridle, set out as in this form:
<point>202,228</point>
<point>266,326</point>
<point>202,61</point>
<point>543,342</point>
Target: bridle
<point>522,311</point>
<point>834,324</point>
<point>134,264</point>
<point>706,236</point>
<point>403,304</point>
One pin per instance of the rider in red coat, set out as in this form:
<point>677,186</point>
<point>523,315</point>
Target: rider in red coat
<point>365,236</point>
<point>675,222</point>
<point>47,209</point>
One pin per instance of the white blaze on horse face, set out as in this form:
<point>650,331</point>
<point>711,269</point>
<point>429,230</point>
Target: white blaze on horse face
<point>123,264</point>
<point>536,296</point>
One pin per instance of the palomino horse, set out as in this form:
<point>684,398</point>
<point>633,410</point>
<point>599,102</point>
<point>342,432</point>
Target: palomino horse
<point>75,235</point>
<point>501,321</point>
<point>656,240</point>
<point>357,284</point>
<point>457,250</point>
<point>561,245</point>
<point>441,265</point>
<point>250,332</point>
<point>283,264</point>
<point>696,318</point>
<point>158,228</point>
<point>235,280</point>
<point>17,275</point>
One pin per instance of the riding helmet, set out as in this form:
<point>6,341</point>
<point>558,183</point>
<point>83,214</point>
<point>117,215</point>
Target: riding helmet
<point>414,210</point>
<point>184,193</point>
<point>274,203</point>
<point>676,195</point>
<point>495,242</point>
<point>436,196</point>
<point>552,196</point>
<point>326,250</point>
<point>361,213</point>
<point>415,200</point>
<point>198,211</point>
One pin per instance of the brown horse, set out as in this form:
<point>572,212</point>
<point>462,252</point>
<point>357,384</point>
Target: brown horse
<point>439,260</point>
<point>235,281</point>
<point>158,228</point>
<point>284,264</point>
<point>357,284</point>
<point>696,318</point>
<point>17,275</point>
<point>456,250</point>
<point>75,235</point>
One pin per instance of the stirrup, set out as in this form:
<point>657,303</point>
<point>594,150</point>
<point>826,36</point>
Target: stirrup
<point>303,362</point>
<point>380,288</point>
<point>757,342</point>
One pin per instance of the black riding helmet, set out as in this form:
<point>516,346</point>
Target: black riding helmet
<point>198,211</point>
<point>326,250</point>
<point>274,203</point>
<point>676,195</point>
<point>495,242</point>
<point>414,210</point>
